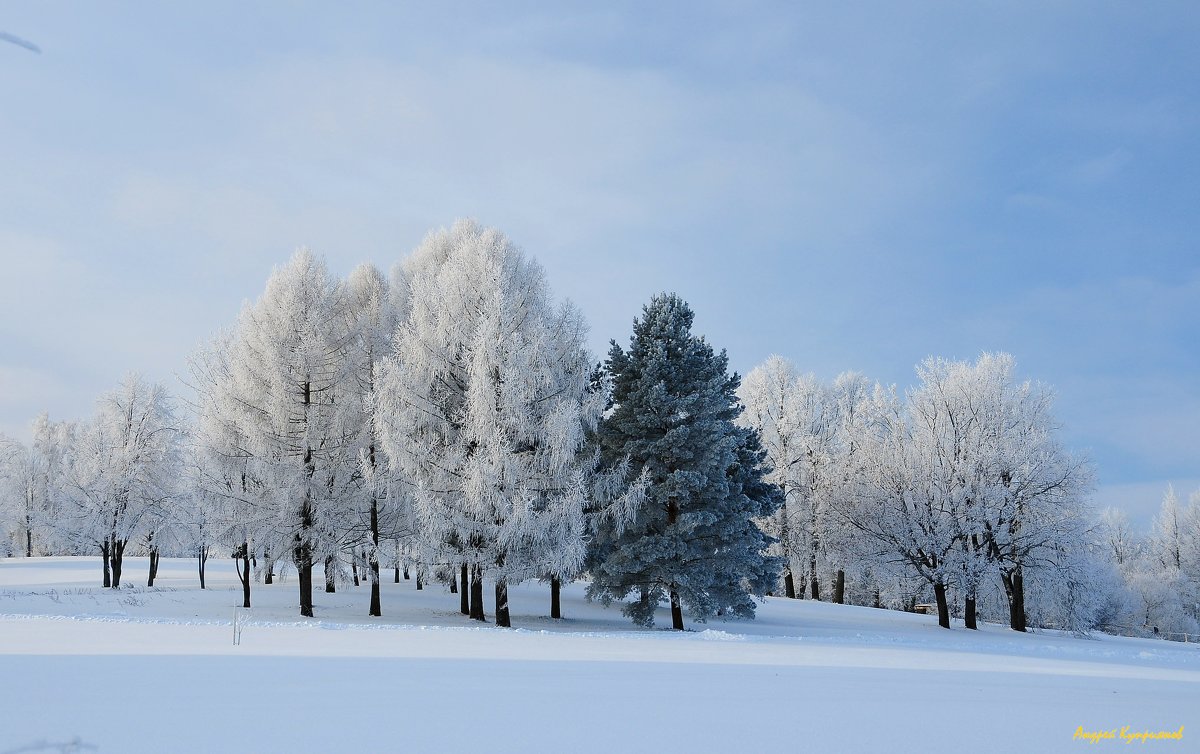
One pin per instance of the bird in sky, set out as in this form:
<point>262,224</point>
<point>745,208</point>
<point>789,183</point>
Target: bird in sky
<point>20,42</point>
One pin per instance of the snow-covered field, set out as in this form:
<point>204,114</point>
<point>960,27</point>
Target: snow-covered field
<point>156,670</point>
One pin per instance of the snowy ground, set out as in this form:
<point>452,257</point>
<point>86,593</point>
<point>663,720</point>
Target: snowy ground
<point>156,670</point>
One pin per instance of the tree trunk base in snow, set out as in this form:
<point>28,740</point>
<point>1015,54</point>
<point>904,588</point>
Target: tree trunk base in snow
<point>1014,589</point>
<point>330,587</point>
<point>676,611</point>
<point>376,608</point>
<point>502,617</point>
<point>117,558</point>
<point>477,594</point>
<point>241,561</point>
<point>839,588</point>
<point>464,592</point>
<point>789,585</point>
<point>304,573</point>
<point>555,598</point>
<point>939,592</point>
<point>153,567</point>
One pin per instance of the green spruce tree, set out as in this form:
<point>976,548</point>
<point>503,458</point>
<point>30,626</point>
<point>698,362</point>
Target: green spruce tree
<point>693,543</point>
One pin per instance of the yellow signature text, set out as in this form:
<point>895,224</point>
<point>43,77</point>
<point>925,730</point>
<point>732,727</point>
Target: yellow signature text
<point>1126,735</point>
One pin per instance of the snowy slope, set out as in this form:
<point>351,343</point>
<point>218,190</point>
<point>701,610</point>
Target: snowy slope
<point>156,670</point>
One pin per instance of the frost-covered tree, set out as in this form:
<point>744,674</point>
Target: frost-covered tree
<point>693,540</point>
<point>282,407</point>
<point>1174,557</point>
<point>969,480</point>
<point>227,477</point>
<point>1114,533</point>
<point>30,476</point>
<point>14,495</point>
<point>769,393</point>
<point>808,430</point>
<point>122,471</point>
<point>1167,537</point>
<point>903,503</point>
<point>813,473</point>
<point>486,408</point>
<point>1033,513</point>
<point>199,516</point>
<point>853,409</point>
<point>372,307</point>
<point>1152,595</point>
<point>19,500</point>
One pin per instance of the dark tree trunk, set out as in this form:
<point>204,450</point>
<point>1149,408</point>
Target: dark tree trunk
<point>555,597</point>
<point>477,594</point>
<point>839,588</point>
<point>1010,592</point>
<point>969,612</point>
<point>676,610</point>
<point>153,567</point>
<point>304,576</point>
<point>107,576</point>
<point>304,569</point>
<point>29,536</point>
<point>502,618</point>
<point>303,553</point>
<point>464,591</point>
<point>814,586</point>
<point>269,567</point>
<point>406,576</point>
<point>878,603</point>
<point>939,592</point>
<point>118,560</point>
<point>201,561</point>
<point>789,584</point>
<point>397,574</point>
<point>420,580</point>
<point>354,568</point>
<point>329,585</point>
<point>246,586</point>
<point>453,583</point>
<point>1014,586</point>
<point>1019,592</point>
<point>376,607</point>
<point>241,561</point>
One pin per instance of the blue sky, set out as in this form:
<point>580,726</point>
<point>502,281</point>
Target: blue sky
<point>852,186</point>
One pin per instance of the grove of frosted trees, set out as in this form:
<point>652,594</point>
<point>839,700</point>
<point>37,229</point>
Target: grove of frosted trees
<point>446,420</point>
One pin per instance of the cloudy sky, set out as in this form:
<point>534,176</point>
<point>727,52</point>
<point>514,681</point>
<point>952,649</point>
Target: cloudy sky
<point>851,186</point>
